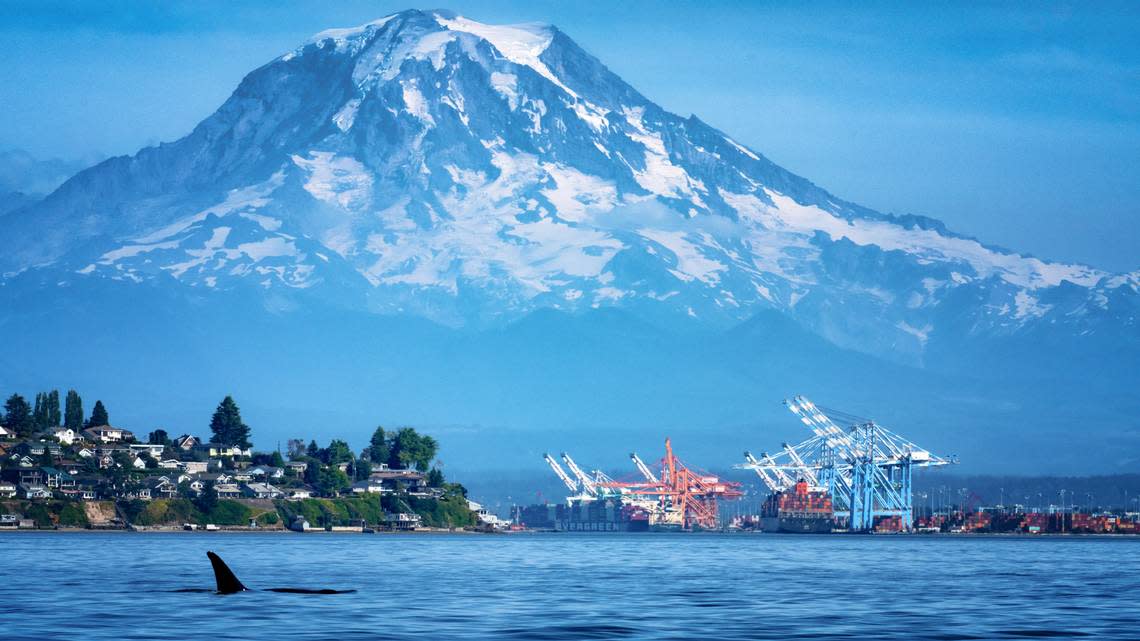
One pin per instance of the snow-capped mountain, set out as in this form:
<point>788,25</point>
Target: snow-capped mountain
<point>432,165</point>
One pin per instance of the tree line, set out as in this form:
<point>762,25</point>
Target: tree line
<point>25,419</point>
<point>404,448</point>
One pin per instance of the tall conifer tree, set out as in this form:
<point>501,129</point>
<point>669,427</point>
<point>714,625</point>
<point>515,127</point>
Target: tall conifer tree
<point>227,426</point>
<point>53,413</point>
<point>98,416</point>
<point>73,411</point>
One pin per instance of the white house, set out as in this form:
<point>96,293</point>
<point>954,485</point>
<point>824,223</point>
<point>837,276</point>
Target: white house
<point>195,467</point>
<point>485,517</point>
<point>7,490</point>
<point>368,486</point>
<point>153,450</point>
<point>6,433</point>
<point>267,471</point>
<point>106,434</point>
<point>262,491</point>
<point>65,435</point>
<point>218,449</point>
<point>298,493</point>
<point>170,464</point>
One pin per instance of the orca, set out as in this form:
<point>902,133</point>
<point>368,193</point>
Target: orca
<point>228,582</point>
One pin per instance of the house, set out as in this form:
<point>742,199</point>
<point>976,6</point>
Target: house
<point>343,466</point>
<point>137,462</point>
<point>70,466</point>
<point>261,491</point>
<point>195,467</point>
<point>31,448</point>
<point>31,476</point>
<point>186,442</point>
<point>7,490</point>
<point>85,452</point>
<point>65,435</point>
<point>220,477</point>
<point>55,478</point>
<point>88,487</point>
<point>154,450</point>
<point>6,433</point>
<point>141,493</point>
<point>170,464</point>
<point>298,493</point>
<point>228,451</point>
<point>34,491</point>
<point>402,520</point>
<point>227,491</point>
<point>242,476</point>
<point>161,487</point>
<point>107,434</point>
<point>297,467</point>
<point>369,486</point>
<point>267,472</point>
<point>21,460</point>
<point>485,517</point>
<point>409,479</point>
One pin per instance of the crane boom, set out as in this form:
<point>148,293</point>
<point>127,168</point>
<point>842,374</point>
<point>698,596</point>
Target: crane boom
<point>758,468</point>
<point>782,477</point>
<point>571,484</point>
<point>588,484</point>
<point>643,468</point>
<point>801,467</point>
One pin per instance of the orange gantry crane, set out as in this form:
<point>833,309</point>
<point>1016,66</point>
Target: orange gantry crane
<point>691,496</point>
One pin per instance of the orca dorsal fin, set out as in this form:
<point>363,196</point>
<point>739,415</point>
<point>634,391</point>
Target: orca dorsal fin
<point>227,582</point>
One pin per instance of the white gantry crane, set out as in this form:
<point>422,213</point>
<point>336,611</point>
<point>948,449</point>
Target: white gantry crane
<point>643,468</point>
<point>570,483</point>
<point>866,467</point>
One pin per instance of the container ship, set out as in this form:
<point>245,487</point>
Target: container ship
<point>585,516</point>
<point>801,510</point>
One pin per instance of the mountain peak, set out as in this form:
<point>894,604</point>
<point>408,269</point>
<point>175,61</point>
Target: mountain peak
<point>426,163</point>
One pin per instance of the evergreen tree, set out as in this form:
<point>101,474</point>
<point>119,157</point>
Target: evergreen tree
<point>98,416</point>
<point>314,450</point>
<point>73,411</point>
<point>361,469</point>
<point>18,416</point>
<point>435,478</point>
<point>158,437</point>
<point>338,452</point>
<point>53,414</point>
<point>227,426</point>
<point>42,413</point>
<point>378,446</point>
<point>277,460</point>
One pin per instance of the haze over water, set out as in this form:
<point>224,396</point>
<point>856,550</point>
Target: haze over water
<point>121,586</point>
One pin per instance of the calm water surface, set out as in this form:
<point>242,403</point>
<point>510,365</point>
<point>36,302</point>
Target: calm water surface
<point>651,586</point>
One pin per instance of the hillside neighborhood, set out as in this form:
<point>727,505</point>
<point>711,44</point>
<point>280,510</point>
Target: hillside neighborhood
<point>55,466</point>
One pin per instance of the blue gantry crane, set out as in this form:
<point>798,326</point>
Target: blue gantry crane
<point>865,467</point>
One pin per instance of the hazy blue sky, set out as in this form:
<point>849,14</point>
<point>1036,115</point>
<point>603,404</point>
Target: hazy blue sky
<point>1020,125</point>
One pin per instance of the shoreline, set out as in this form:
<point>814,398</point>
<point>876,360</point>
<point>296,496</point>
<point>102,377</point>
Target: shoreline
<point>443,532</point>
